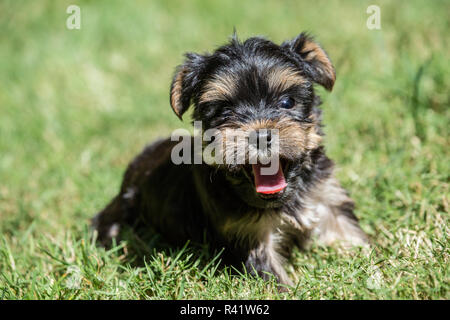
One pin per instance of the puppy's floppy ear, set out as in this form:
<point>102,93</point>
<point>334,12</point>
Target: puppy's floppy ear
<point>316,62</point>
<point>185,82</point>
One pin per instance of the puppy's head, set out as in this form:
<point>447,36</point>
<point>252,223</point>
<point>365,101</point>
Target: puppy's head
<point>257,95</point>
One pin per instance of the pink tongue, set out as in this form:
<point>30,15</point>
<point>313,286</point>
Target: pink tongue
<point>268,184</point>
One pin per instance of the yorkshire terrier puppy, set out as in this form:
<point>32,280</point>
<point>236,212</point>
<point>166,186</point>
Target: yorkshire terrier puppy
<point>243,88</point>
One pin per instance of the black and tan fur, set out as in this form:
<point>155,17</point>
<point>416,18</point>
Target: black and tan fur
<point>239,87</point>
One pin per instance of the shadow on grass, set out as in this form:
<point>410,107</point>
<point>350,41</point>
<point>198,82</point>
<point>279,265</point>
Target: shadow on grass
<point>144,248</point>
<point>143,244</point>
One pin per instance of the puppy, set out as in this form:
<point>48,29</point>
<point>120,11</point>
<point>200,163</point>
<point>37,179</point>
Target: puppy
<point>243,88</point>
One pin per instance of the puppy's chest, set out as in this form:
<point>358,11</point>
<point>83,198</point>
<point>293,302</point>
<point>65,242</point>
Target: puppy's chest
<point>252,227</point>
<point>272,226</point>
<point>258,227</point>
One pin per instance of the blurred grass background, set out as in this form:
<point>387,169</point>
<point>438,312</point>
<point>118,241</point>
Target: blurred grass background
<point>77,105</point>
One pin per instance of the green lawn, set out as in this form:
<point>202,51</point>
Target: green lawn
<point>77,105</point>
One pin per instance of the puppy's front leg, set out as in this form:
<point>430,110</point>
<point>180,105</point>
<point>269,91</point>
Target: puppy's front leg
<point>264,260</point>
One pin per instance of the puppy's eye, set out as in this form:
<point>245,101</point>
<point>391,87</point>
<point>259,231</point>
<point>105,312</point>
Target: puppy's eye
<point>287,103</point>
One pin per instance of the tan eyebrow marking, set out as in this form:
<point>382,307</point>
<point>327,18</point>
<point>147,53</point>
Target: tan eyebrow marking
<point>284,78</point>
<point>219,87</point>
<point>224,85</point>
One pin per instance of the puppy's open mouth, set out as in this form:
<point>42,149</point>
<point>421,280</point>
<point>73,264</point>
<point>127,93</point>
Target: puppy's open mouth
<point>267,181</point>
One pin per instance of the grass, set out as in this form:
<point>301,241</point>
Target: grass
<point>77,105</point>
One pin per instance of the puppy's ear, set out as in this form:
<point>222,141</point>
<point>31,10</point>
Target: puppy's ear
<point>185,82</point>
<point>317,65</point>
